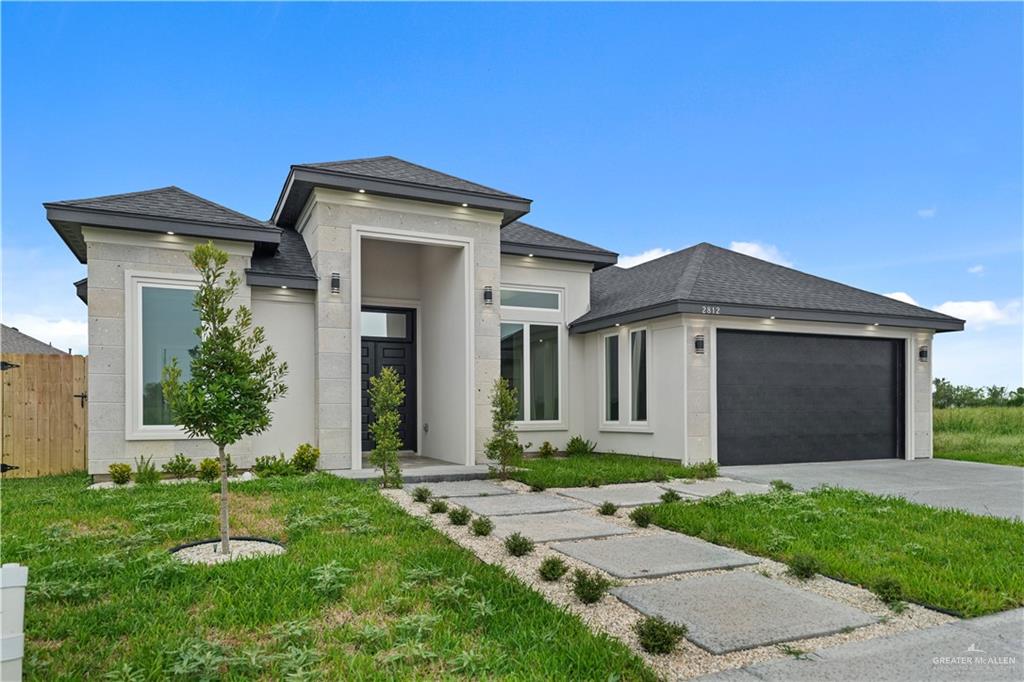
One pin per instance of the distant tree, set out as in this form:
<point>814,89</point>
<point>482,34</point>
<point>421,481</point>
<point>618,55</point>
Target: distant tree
<point>235,377</point>
<point>947,394</point>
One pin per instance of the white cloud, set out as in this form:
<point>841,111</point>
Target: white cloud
<point>62,333</point>
<point>976,269</point>
<point>927,213</point>
<point>902,296</point>
<point>768,252</point>
<point>980,314</point>
<point>650,254</point>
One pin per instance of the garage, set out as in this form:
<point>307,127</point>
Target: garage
<point>785,397</point>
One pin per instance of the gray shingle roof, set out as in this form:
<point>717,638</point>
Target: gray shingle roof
<point>519,232</point>
<point>167,202</point>
<point>14,341</point>
<point>708,274</point>
<point>290,260</point>
<point>393,168</point>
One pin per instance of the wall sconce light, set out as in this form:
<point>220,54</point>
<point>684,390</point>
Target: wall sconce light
<point>922,353</point>
<point>488,295</point>
<point>335,282</point>
<point>698,344</point>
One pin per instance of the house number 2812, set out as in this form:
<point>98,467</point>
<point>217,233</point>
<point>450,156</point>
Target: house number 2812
<point>711,310</point>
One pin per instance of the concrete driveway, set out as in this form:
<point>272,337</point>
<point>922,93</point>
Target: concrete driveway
<point>974,487</point>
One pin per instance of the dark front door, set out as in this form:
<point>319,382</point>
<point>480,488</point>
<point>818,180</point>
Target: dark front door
<point>808,398</point>
<point>389,340</point>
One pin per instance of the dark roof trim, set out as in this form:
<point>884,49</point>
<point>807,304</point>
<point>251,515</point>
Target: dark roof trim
<point>598,259</point>
<point>264,279</point>
<point>943,324</point>
<point>68,221</point>
<point>302,179</point>
<point>82,290</point>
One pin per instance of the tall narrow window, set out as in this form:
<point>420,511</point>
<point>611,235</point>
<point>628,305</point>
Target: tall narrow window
<point>513,361</point>
<point>611,378</point>
<point>168,331</point>
<point>638,375</point>
<point>543,372</point>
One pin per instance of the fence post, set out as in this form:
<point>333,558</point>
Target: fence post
<point>13,578</point>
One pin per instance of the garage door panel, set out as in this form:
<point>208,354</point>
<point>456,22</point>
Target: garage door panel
<point>807,398</point>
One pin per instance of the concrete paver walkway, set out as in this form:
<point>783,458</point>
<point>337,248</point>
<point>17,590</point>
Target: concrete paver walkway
<point>653,556</point>
<point>531,503</point>
<point>620,494</point>
<point>556,526</point>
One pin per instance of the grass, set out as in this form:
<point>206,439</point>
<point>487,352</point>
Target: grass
<point>603,469</point>
<point>365,591</point>
<point>958,562</point>
<point>980,434</point>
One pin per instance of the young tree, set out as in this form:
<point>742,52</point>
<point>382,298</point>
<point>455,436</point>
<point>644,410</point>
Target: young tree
<point>503,445</point>
<point>387,391</point>
<point>235,376</point>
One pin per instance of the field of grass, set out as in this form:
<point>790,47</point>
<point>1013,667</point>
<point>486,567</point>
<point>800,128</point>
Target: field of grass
<point>603,469</point>
<point>364,591</point>
<point>970,565</point>
<point>980,434</point>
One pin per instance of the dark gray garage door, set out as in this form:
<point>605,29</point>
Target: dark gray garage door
<point>808,398</point>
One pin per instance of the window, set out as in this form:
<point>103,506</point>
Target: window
<point>638,375</point>
<point>611,378</point>
<point>530,364</point>
<point>522,298</point>
<point>168,331</point>
<point>384,324</point>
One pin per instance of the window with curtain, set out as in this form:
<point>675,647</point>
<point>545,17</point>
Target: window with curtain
<point>638,375</point>
<point>530,364</point>
<point>611,378</point>
<point>168,331</point>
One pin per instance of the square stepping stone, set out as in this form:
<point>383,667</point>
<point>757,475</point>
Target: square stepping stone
<point>715,486</point>
<point>741,610</point>
<point>650,556</point>
<point>523,503</point>
<point>568,525</point>
<point>461,488</point>
<point>622,494</point>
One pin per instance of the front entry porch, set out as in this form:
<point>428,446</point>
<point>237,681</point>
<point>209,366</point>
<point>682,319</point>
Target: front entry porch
<point>418,469</point>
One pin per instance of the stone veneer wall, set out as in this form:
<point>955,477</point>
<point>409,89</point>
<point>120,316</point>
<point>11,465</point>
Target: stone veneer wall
<point>698,395</point>
<point>922,402</point>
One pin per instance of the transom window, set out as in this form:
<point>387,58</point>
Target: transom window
<point>530,364</point>
<point>167,331</point>
<point>530,298</point>
<point>384,324</point>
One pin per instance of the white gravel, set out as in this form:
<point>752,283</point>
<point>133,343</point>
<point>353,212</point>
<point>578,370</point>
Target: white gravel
<point>209,552</point>
<point>110,485</point>
<point>615,618</point>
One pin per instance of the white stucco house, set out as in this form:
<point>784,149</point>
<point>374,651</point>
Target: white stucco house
<point>704,354</point>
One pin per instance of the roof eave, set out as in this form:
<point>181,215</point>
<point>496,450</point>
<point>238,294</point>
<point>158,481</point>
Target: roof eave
<point>937,324</point>
<point>255,278</point>
<point>301,181</point>
<point>597,259</point>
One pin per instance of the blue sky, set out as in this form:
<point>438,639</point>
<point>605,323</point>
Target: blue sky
<point>880,145</point>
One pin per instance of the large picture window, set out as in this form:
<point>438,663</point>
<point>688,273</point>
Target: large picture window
<point>530,364</point>
<point>611,378</point>
<point>168,331</point>
<point>638,375</point>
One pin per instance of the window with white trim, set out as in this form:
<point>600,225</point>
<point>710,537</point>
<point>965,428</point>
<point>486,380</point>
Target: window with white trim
<point>611,378</point>
<point>530,363</point>
<point>532,299</point>
<point>166,331</point>
<point>638,375</point>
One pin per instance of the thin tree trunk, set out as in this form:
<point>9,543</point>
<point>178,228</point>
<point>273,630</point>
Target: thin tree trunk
<point>225,545</point>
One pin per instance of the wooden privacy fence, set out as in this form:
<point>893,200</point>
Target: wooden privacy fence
<point>44,414</point>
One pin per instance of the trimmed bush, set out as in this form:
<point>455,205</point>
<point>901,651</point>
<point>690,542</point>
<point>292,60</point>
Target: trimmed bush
<point>804,566</point>
<point>503,445</point>
<point>588,586</point>
<point>552,569</point>
<point>180,466</point>
<point>670,496</point>
<point>459,516</point>
<point>481,526</point>
<point>120,473</point>
<point>209,470</point>
<point>305,458</point>
<point>438,507</point>
<point>657,635</point>
<point>547,450</point>
<point>518,544</point>
<point>421,494</point>
<point>145,471</point>
<point>642,516</point>
<point>782,486</point>
<point>578,445</point>
<point>273,466</point>
<point>607,509</point>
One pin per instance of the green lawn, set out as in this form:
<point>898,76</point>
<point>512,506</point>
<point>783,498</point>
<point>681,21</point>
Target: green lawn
<point>970,565</point>
<point>603,469</point>
<point>396,599</point>
<point>981,434</point>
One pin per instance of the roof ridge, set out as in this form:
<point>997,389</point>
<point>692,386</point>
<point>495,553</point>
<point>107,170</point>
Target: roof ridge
<point>214,203</point>
<point>116,196</point>
<point>364,158</point>
<point>692,271</point>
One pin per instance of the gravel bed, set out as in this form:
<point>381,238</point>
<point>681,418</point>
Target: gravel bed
<point>616,619</point>
<point>209,552</point>
<point>110,485</point>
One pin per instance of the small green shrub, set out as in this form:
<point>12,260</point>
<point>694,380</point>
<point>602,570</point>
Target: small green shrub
<point>642,516</point>
<point>670,496</point>
<point>578,445</point>
<point>305,458</point>
<point>588,586</point>
<point>547,450</point>
<point>421,494</point>
<point>657,635</point>
<point>782,486</point>
<point>481,526</point>
<point>804,566</point>
<point>273,466</point>
<point>459,516</point>
<point>889,590</point>
<point>607,509</point>
<point>209,470</point>
<point>438,506</point>
<point>552,568</point>
<point>704,470</point>
<point>330,579</point>
<point>180,466</point>
<point>518,544</point>
<point>120,473</point>
<point>145,471</point>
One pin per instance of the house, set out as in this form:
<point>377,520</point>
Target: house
<point>703,354</point>
<point>14,341</point>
